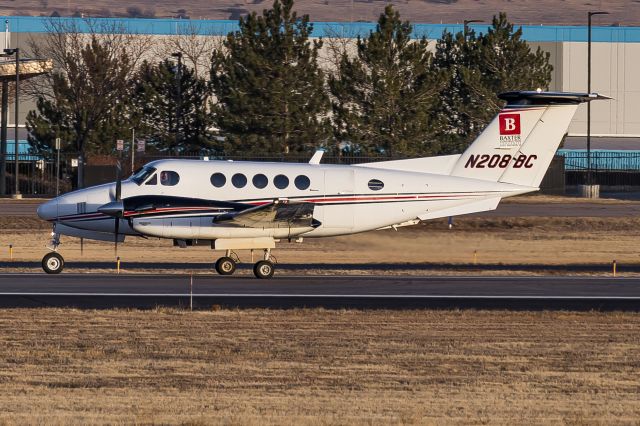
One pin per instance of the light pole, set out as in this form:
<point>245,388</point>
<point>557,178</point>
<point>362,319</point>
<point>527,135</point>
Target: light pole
<point>16,174</point>
<point>179,93</point>
<point>466,25</point>
<point>589,172</point>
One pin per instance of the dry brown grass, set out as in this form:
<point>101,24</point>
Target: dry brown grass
<point>318,367</point>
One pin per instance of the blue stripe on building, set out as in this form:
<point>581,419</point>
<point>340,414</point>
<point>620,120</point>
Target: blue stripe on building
<point>532,33</point>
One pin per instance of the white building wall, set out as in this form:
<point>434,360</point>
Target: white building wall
<point>615,72</point>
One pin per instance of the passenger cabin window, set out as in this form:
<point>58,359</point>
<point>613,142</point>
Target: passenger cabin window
<point>302,182</point>
<point>375,185</point>
<point>218,180</point>
<point>169,178</point>
<point>239,180</point>
<point>281,181</point>
<point>141,175</point>
<point>260,181</point>
<point>153,180</point>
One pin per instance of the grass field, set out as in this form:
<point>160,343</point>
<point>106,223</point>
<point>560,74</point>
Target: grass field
<point>318,367</point>
<point>509,245</point>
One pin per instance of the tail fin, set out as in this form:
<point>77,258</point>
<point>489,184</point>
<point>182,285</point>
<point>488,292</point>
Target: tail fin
<point>519,144</point>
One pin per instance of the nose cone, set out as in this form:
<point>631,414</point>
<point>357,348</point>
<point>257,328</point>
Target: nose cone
<point>48,210</point>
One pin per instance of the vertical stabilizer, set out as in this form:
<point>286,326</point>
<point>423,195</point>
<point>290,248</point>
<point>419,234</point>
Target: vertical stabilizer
<point>519,144</point>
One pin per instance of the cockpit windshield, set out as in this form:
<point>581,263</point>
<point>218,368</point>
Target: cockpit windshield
<point>141,175</point>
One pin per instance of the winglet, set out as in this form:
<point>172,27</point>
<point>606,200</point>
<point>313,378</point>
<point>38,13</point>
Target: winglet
<point>317,157</point>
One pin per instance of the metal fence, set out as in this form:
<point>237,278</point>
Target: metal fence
<point>601,160</point>
<point>609,168</point>
<point>38,175</point>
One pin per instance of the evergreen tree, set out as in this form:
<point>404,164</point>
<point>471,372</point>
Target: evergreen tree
<point>171,120</point>
<point>269,88</point>
<point>383,96</point>
<point>481,67</point>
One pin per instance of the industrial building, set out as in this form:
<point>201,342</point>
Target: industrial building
<point>615,65</point>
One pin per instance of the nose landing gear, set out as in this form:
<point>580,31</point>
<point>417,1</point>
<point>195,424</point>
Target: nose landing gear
<point>53,263</point>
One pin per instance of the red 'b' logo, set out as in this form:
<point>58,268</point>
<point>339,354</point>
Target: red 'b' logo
<point>509,124</point>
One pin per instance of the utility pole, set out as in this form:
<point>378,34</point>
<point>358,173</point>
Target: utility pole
<point>589,170</point>
<point>3,137</point>
<point>16,174</point>
<point>57,166</point>
<point>466,26</point>
<point>3,120</point>
<point>133,149</point>
<point>178,139</point>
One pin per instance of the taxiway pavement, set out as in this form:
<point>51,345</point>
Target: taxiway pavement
<point>148,291</point>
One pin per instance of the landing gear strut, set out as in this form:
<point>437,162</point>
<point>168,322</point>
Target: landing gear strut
<point>53,263</point>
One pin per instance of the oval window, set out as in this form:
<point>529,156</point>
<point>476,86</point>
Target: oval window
<point>302,182</point>
<point>169,178</point>
<point>281,181</point>
<point>375,185</point>
<point>239,180</point>
<point>218,180</point>
<point>260,181</point>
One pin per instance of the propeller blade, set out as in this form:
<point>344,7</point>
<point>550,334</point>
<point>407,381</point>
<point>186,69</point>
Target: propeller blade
<point>117,230</point>
<point>118,181</point>
<point>120,207</point>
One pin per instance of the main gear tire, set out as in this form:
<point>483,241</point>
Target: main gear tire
<point>226,266</point>
<point>263,269</point>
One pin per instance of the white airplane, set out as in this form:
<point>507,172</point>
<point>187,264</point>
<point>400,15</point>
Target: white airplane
<point>252,205</point>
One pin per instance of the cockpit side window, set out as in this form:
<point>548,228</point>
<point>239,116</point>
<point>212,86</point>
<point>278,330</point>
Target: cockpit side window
<point>169,178</point>
<point>143,174</point>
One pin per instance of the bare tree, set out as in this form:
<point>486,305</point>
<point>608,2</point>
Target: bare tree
<point>196,43</point>
<point>84,97</point>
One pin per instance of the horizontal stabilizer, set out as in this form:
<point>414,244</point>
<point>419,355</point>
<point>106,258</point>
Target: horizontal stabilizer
<point>476,206</point>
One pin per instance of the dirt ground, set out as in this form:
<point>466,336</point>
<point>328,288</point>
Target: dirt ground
<point>508,245</point>
<point>569,12</point>
<point>318,367</point>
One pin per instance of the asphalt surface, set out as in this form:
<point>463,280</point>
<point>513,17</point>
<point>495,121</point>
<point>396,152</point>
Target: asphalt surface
<point>101,291</point>
<point>572,209</point>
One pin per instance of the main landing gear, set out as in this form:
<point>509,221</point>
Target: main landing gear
<point>262,269</point>
<point>53,263</point>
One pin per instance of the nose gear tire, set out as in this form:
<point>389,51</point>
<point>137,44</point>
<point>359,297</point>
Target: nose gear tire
<point>53,263</point>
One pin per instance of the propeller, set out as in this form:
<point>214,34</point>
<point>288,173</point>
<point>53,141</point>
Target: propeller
<point>115,208</point>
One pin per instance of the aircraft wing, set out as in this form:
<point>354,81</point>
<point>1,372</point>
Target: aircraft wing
<point>277,214</point>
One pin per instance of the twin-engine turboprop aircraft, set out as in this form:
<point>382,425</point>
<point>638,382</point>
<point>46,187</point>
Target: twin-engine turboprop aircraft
<point>252,205</point>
